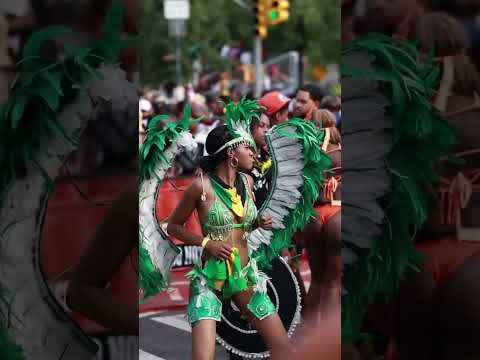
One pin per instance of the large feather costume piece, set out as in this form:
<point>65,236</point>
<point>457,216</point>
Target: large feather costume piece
<point>40,124</point>
<point>298,168</point>
<point>156,252</point>
<point>393,139</point>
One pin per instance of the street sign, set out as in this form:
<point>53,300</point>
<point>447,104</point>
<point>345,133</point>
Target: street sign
<point>176,9</point>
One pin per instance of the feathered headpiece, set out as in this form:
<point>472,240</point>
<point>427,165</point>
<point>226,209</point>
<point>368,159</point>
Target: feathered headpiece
<point>239,118</point>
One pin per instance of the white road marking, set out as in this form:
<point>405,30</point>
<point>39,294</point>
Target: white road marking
<point>307,285</point>
<point>177,321</point>
<point>150,313</point>
<point>143,355</point>
<point>180,282</point>
<point>175,295</point>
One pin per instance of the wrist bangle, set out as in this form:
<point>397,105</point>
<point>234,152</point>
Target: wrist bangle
<point>206,239</point>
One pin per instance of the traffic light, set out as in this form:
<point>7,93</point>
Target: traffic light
<point>261,23</point>
<point>278,12</point>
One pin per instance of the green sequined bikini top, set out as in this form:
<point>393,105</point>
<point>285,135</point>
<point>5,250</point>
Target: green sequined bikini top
<point>221,220</point>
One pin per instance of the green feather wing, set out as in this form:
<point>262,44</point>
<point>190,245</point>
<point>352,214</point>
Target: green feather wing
<point>156,251</point>
<point>393,140</point>
<point>41,89</point>
<point>298,171</point>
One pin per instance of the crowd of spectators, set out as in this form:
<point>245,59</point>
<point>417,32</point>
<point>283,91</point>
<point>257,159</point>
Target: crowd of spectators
<point>322,106</point>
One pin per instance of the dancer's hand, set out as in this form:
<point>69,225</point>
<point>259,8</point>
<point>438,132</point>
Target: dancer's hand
<point>285,253</point>
<point>221,250</point>
<point>265,222</point>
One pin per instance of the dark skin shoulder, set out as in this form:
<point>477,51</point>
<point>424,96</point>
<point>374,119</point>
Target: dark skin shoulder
<point>184,209</point>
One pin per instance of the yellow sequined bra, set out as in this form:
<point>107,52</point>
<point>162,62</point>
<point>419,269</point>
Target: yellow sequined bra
<point>221,220</point>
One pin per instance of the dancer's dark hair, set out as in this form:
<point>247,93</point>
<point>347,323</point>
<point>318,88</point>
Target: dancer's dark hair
<point>218,137</point>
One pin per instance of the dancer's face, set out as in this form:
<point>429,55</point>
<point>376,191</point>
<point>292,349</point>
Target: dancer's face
<point>245,156</point>
<point>260,129</point>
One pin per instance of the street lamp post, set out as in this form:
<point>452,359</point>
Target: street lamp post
<point>257,50</point>
<point>178,57</point>
<point>177,12</point>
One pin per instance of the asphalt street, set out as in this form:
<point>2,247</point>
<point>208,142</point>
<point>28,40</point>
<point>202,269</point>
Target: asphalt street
<point>167,336</point>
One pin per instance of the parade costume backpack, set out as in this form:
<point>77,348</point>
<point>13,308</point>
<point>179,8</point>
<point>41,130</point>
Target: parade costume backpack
<point>393,140</point>
<point>51,102</point>
<point>298,164</point>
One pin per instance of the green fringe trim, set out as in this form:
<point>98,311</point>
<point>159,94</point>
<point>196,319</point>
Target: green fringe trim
<point>157,140</point>
<point>41,89</point>
<point>421,138</point>
<point>316,163</point>
<point>150,280</point>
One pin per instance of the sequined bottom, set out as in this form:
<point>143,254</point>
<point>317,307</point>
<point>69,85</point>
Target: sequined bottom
<point>204,303</point>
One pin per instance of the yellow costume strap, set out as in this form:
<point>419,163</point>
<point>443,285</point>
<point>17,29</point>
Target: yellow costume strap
<point>231,260</point>
<point>237,206</point>
<point>266,166</point>
<point>206,239</point>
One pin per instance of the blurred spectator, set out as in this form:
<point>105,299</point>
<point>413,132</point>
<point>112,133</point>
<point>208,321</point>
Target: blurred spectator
<point>276,105</point>
<point>215,106</point>
<point>277,79</point>
<point>309,98</point>
<point>326,119</point>
<point>236,93</point>
<point>333,104</point>
<point>145,106</point>
<point>224,84</point>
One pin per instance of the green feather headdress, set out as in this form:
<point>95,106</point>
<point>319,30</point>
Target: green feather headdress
<point>239,118</point>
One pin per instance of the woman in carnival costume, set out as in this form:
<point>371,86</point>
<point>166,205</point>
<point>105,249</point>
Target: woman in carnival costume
<point>239,243</point>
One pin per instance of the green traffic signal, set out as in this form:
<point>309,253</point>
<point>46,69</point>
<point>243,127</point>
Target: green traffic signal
<point>273,15</point>
<point>278,12</point>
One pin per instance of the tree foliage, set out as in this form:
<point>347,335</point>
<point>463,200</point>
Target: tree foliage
<point>313,28</point>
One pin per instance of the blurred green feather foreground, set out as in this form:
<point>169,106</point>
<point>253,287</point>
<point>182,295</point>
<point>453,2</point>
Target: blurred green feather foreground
<point>42,87</point>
